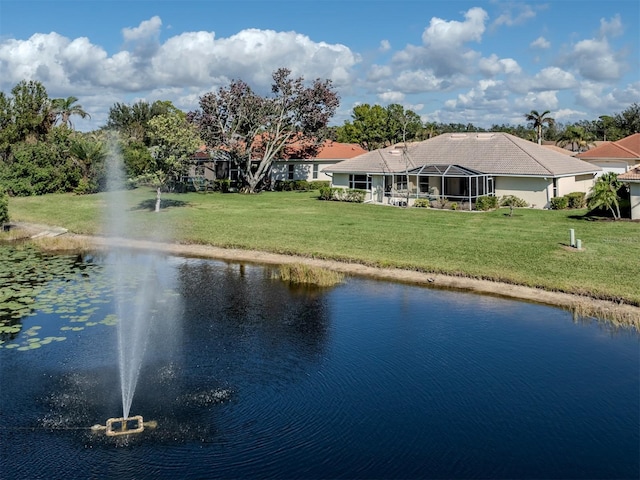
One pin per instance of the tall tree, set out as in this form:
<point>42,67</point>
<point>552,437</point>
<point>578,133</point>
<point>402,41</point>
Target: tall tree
<point>174,142</point>
<point>64,108</point>
<point>402,125</point>
<point>132,121</point>
<point>254,130</point>
<point>538,120</point>
<point>31,111</point>
<point>628,121</point>
<point>374,126</point>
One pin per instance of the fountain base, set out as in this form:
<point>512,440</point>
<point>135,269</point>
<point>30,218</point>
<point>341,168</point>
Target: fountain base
<point>124,426</point>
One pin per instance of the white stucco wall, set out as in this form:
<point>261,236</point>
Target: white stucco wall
<point>634,190</point>
<point>616,166</point>
<point>302,170</point>
<point>579,183</point>
<point>535,191</point>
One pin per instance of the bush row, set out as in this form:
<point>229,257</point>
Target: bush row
<point>570,200</point>
<point>298,185</point>
<point>342,194</point>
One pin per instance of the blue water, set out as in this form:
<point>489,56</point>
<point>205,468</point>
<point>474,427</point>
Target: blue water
<point>365,380</point>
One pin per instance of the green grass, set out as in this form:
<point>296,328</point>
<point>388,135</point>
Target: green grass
<point>527,249</point>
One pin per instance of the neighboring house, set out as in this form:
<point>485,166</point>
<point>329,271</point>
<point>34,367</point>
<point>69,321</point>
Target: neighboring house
<point>208,166</point>
<point>463,166</point>
<point>632,177</point>
<point>618,157</point>
<point>313,169</point>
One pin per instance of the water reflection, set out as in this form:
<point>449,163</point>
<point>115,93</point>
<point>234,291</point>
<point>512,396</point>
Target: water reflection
<point>367,379</point>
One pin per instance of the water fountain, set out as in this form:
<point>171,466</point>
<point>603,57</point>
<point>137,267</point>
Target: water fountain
<point>135,317</point>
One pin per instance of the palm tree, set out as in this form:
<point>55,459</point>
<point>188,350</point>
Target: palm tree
<point>577,137</point>
<point>538,120</point>
<point>88,155</point>
<point>604,194</point>
<point>63,108</point>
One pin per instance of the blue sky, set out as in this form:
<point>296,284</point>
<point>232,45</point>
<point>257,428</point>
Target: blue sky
<point>482,62</point>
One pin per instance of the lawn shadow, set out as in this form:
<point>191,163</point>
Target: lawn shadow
<point>150,204</point>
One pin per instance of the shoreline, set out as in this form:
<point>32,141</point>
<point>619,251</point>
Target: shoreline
<point>617,314</point>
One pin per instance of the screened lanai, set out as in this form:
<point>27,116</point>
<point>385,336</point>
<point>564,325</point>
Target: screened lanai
<point>435,182</point>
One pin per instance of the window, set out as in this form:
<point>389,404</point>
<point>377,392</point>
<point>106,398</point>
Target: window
<point>315,171</point>
<point>401,182</point>
<point>360,182</point>
<point>291,171</point>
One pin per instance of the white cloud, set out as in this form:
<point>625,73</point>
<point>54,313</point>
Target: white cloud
<point>188,62</point>
<point>593,96</point>
<point>385,46</point>
<point>540,101</point>
<point>391,97</point>
<point>540,42</point>
<point>492,66</point>
<point>552,78</point>
<point>516,14</point>
<point>443,48</point>
<point>595,60</point>
<point>568,115</point>
<point>611,28</point>
<point>147,29</point>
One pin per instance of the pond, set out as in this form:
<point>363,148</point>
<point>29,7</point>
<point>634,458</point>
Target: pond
<point>249,377</point>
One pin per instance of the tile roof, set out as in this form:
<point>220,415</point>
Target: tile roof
<point>493,153</point>
<point>331,150</point>
<point>628,147</point>
<point>555,148</point>
<point>633,174</point>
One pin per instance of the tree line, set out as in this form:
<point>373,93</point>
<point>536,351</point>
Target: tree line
<point>41,152</point>
<point>374,126</point>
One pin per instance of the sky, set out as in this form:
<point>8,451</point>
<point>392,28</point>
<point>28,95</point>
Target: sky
<point>450,61</point>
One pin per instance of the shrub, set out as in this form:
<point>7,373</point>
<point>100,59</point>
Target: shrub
<point>318,184</point>
<point>513,201</point>
<point>559,203</point>
<point>354,196</point>
<point>454,206</point>
<point>4,206</point>
<point>576,200</point>
<point>291,186</point>
<point>422,203</point>
<point>300,185</point>
<point>485,203</point>
<point>327,193</point>
<point>342,194</point>
<point>221,185</point>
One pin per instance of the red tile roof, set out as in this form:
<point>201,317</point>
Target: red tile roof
<point>334,150</point>
<point>628,147</point>
<point>633,174</point>
<point>330,150</point>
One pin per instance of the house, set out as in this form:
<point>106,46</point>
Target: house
<point>313,169</point>
<point>210,165</point>
<point>618,157</point>
<point>632,177</point>
<point>462,167</point>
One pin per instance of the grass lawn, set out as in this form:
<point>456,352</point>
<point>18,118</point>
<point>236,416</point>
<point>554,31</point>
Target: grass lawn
<point>529,248</point>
